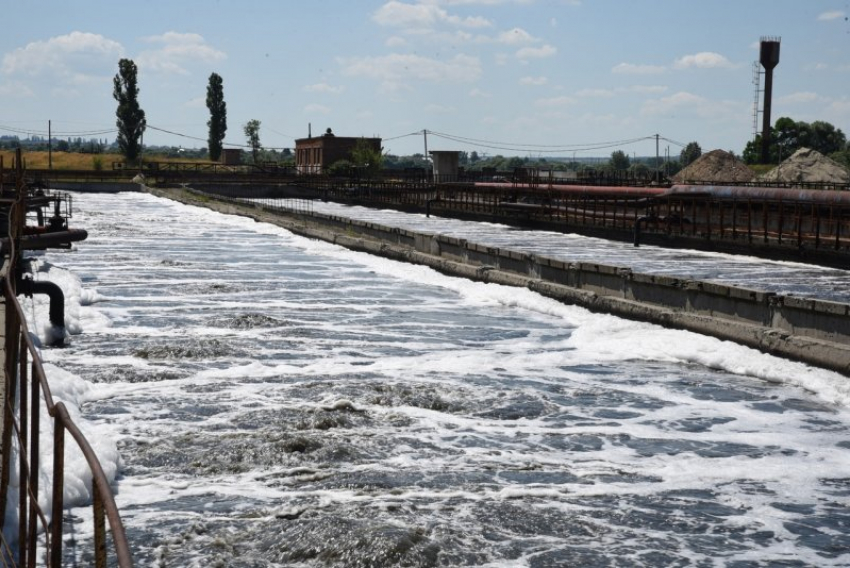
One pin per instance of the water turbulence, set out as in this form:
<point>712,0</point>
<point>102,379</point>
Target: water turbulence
<point>277,401</point>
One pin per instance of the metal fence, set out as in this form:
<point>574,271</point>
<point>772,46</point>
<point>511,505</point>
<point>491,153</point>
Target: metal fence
<point>27,391</point>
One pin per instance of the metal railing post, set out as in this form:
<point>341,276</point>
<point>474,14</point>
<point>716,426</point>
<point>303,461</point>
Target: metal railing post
<point>23,474</point>
<point>99,528</point>
<point>35,411</point>
<point>58,494</point>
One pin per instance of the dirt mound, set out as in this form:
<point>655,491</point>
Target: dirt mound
<point>715,166</point>
<point>806,165</point>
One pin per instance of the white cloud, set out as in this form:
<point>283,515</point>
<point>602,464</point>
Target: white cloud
<point>324,88</point>
<point>685,104</point>
<point>316,109</point>
<point>595,93</point>
<point>703,60</point>
<point>516,36</point>
<point>74,58</point>
<point>422,16</point>
<point>536,52</point>
<point>828,16</point>
<point>397,70</point>
<point>798,98</point>
<point>632,69</point>
<point>478,93</point>
<point>535,81</point>
<point>555,102</point>
<point>395,41</point>
<point>15,89</point>
<point>647,89</point>
<point>840,108</point>
<point>178,50</point>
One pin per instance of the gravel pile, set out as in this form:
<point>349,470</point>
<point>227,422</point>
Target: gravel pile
<point>717,166</point>
<point>810,166</point>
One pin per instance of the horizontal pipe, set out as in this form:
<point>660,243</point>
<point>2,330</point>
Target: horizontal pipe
<point>47,240</point>
<point>817,196</point>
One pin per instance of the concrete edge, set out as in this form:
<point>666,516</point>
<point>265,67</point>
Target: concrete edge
<point>815,351</point>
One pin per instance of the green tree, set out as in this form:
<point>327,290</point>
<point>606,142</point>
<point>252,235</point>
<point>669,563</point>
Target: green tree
<point>218,116</point>
<point>690,153</point>
<point>252,133</point>
<point>825,138</point>
<point>619,161</point>
<point>789,135</point>
<point>367,157</point>
<point>131,118</point>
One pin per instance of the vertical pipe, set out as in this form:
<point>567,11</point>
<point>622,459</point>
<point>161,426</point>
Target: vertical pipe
<point>749,221</point>
<point>764,218</point>
<point>816,214</point>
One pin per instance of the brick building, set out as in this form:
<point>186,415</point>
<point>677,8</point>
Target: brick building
<point>314,155</point>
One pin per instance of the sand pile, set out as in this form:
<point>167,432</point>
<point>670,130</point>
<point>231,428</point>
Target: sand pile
<point>717,166</point>
<point>806,165</point>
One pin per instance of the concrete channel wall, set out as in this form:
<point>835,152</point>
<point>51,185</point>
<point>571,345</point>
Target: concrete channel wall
<point>809,330</point>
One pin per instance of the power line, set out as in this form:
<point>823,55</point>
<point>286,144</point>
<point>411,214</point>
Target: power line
<point>31,132</point>
<point>417,133</point>
<point>541,148</point>
<point>232,145</point>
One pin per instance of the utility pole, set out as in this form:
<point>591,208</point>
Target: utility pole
<point>425,137</point>
<point>49,145</point>
<point>657,157</point>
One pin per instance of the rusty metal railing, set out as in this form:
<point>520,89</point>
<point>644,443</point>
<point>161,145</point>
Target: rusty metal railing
<point>26,383</point>
<point>21,358</point>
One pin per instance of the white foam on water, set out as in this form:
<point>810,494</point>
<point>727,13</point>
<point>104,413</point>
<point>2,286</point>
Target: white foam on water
<point>623,415</point>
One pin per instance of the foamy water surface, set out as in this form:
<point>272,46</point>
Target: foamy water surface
<point>277,401</point>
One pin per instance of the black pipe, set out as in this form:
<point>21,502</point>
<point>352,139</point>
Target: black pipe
<point>28,287</point>
<point>640,220</point>
<point>47,240</point>
<point>428,206</point>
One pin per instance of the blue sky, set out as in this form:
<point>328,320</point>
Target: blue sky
<point>523,77</point>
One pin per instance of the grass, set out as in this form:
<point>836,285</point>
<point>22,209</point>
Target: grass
<point>73,160</point>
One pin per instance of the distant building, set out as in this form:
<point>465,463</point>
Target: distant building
<point>315,155</point>
<point>230,156</point>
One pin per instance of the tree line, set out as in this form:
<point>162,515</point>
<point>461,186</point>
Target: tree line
<point>786,137</point>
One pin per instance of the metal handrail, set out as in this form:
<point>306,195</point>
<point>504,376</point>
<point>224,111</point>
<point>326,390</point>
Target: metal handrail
<point>103,502</point>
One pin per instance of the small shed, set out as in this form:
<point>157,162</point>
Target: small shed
<point>446,165</point>
<point>230,157</point>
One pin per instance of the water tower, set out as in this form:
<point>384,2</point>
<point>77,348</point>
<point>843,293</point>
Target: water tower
<point>769,58</point>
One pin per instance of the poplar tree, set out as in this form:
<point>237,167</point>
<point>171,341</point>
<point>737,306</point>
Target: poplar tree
<point>218,116</point>
<point>131,118</point>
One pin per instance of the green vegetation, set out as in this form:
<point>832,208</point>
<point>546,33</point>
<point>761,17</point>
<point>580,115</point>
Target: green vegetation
<point>252,133</point>
<point>367,158</point>
<point>690,153</point>
<point>218,116</point>
<point>619,161</point>
<point>131,118</point>
<point>787,136</point>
